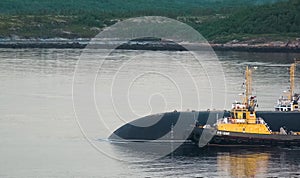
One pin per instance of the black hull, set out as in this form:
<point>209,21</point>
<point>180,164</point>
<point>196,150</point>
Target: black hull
<point>221,138</point>
<point>165,121</point>
<point>276,119</point>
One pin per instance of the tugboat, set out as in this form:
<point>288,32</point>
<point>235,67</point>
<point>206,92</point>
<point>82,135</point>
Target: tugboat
<point>291,102</point>
<point>243,127</point>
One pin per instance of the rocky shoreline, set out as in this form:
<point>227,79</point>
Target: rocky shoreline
<point>149,45</point>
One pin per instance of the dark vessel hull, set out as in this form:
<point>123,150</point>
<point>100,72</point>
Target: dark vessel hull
<point>224,138</point>
<point>276,119</point>
<point>165,122</point>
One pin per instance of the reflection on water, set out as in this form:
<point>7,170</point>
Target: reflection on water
<point>225,162</point>
<point>259,162</point>
<point>244,164</point>
<point>190,161</point>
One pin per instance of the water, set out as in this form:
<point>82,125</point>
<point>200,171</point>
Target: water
<point>40,136</point>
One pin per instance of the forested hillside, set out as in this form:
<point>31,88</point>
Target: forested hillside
<point>217,20</point>
<point>277,20</point>
<point>121,8</point>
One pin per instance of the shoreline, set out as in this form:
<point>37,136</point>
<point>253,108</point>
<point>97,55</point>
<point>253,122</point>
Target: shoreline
<point>145,45</point>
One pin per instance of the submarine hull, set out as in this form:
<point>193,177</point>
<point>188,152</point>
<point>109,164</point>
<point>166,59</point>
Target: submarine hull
<point>164,122</point>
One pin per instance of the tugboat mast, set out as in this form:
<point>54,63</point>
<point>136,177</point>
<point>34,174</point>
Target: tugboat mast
<point>292,79</point>
<point>248,83</point>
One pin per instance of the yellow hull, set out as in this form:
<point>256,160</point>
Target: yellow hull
<point>244,128</point>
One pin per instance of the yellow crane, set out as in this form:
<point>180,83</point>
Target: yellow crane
<point>291,101</point>
<point>248,89</point>
<point>292,79</point>
<point>248,75</point>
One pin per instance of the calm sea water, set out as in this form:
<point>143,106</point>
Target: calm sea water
<point>41,137</point>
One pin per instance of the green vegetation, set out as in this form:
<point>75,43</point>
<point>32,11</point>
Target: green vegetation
<point>217,20</point>
<point>120,8</point>
<point>276,21</point>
